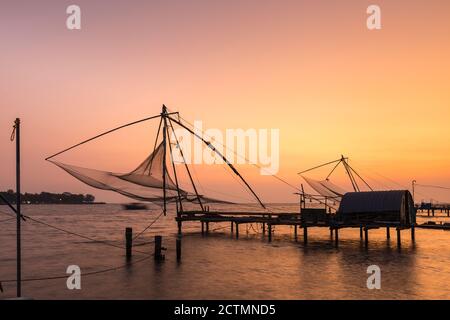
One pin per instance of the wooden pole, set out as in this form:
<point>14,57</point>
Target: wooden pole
<point>361,232</point>
<point>164,114</point>
<point>232,226</point>
<point>158,248</point>
<point>305,235</point>
<point>270,231</point>
<point>413,233</point>
<point>237,230</point>
<point>178,245</point>
<point>128,242</point>
<point>295,232</point>
<point>203,227</point>
<point>336,239</point>
<point>18,208</point>
<point>263,228</point>
<point>366,236</point>
<point>207,227</point>
<point>388,233</point>
<point>399,240</point>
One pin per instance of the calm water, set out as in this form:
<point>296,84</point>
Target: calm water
<point>218,266</point>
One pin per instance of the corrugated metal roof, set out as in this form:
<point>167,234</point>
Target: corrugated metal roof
<point>373,201</point>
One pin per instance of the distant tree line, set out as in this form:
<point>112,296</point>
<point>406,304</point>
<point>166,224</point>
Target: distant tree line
<point>48,198</point>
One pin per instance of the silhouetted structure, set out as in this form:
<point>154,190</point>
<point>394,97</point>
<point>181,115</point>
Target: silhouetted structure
<point>394,206</point>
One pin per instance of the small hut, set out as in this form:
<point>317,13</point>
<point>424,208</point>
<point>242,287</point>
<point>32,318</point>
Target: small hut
<point>388,207</point>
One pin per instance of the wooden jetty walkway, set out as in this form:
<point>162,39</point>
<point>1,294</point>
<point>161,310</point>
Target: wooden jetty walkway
<point>432,208</point>
<point>295,219</point>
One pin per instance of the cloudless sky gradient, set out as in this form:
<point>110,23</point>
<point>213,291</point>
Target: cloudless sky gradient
<point>310,68</point>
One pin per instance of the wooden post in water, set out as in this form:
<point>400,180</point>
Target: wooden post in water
<point>388,233</point>
<point>158,248</point>
<point>237,230</point>
<point>180,225</point>
<point>336,238</point>
<point>207,227</point>
<point>366,236</point>
<point>295,232</point>
<point>361,232</point>
<point>232,226</point>
<point>413,233</point>
<point>331,232</point>
<point>270,231</point>
<point>305,235</point>
<point>203,227</point>
<point>128,242</point>
<point>178,244</point>
<point>399,240</point>
<point>264,228</point>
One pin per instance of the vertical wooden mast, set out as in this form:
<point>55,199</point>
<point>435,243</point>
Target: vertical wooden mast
<point>18,209</point>
<point>163,115</point>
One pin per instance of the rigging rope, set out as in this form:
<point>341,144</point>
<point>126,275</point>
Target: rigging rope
<point>84,274</point>
<point>146,228</point>
<point>101,134</point>
<point>242,157</point>
<point>13,133</point>
<point>79,235</point>
<point>432,186</point>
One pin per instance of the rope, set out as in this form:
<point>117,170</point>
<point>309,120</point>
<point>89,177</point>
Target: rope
<point>80,235</point>
<point>242,157</point>
<point>100,135</point>
<point>13,133</point>
<point>83,274</point>
<point>432,186</point>
<point>146,228</point>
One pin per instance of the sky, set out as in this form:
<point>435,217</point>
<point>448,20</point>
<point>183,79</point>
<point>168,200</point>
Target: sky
<point>311,69</point>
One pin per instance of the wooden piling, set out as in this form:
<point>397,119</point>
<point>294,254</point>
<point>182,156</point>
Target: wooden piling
<point>388,233</point>
<point>305,235</point>
<point>128,242</point>
<point>263,228</point>
<point>413,233</point>
<point>366,237</point>
<point>336,238</point>
<point>399,240</point>
<point>295,232</point>
<point>232,226</point>
<point>180,227</point>
<point>237,230</point>
<point>361,232</point>
<point>270,231</point>
<point>203,227</point>
<point>178,244</point>
<point>158,248</point>
<point>207,227</point>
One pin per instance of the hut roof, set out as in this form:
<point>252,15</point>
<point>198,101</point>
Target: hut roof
<point>372,201</point>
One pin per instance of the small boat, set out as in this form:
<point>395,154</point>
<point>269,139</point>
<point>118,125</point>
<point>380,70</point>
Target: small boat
<point>134,206</point>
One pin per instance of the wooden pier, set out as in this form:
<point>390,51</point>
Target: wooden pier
<point>431,209</point>
<point>270,220</point>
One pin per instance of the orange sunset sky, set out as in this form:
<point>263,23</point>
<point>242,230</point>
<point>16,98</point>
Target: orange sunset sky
<point>310,68</point>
